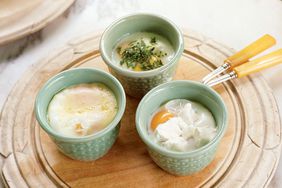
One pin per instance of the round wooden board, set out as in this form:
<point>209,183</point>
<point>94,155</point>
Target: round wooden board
<point>33,20</point>
<point>247,156</point>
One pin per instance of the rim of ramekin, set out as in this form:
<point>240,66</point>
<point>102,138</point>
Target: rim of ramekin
<point>148,73</point>
<point>46,126</point>
<point>151,144</point>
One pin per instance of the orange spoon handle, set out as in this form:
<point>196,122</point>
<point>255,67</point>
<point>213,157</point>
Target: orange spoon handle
<point>259,64</point>
<point>251,50</point>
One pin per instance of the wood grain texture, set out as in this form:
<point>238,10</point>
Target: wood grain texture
<point>247,156</point>
<point>35,17</point>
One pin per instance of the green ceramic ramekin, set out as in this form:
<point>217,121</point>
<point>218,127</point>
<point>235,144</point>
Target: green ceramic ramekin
<point>89,147</point>
<point>137,84</point>
<point>181,163</point>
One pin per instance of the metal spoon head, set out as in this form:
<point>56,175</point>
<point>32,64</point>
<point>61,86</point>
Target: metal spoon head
<point>216,72</point>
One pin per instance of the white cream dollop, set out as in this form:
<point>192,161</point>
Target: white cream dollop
<point>192,127</point>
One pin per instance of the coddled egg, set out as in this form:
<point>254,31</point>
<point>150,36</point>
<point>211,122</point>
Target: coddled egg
<point>82,109</point>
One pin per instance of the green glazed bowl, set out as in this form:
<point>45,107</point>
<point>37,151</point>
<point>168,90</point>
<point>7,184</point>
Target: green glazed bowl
<point>137,84</point>
<point>89,147</point>
<point>181,163</point>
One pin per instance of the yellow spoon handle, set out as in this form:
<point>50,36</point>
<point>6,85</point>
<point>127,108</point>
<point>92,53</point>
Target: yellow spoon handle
<point>251,50</point>
<point>259,64</point>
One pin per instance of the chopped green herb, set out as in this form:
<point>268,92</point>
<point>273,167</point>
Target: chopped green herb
<point>140,56</point>
<point>153,40</point>
<point>118,50</point>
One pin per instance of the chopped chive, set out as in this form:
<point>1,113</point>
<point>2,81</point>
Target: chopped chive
<point>140,54</point>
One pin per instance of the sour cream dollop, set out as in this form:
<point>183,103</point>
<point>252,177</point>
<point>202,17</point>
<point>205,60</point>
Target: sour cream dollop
<point>191,126</point>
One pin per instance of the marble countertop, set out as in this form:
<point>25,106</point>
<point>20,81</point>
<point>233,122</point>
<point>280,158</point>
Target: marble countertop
<point>234,23</point>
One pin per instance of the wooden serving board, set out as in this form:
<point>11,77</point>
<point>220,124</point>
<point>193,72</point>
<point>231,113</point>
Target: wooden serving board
<point>18,20</point>
<point>247,156</point>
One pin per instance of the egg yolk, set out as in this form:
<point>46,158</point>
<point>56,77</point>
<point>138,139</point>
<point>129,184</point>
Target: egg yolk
<point>160,117</point>
<point>78,128</point>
